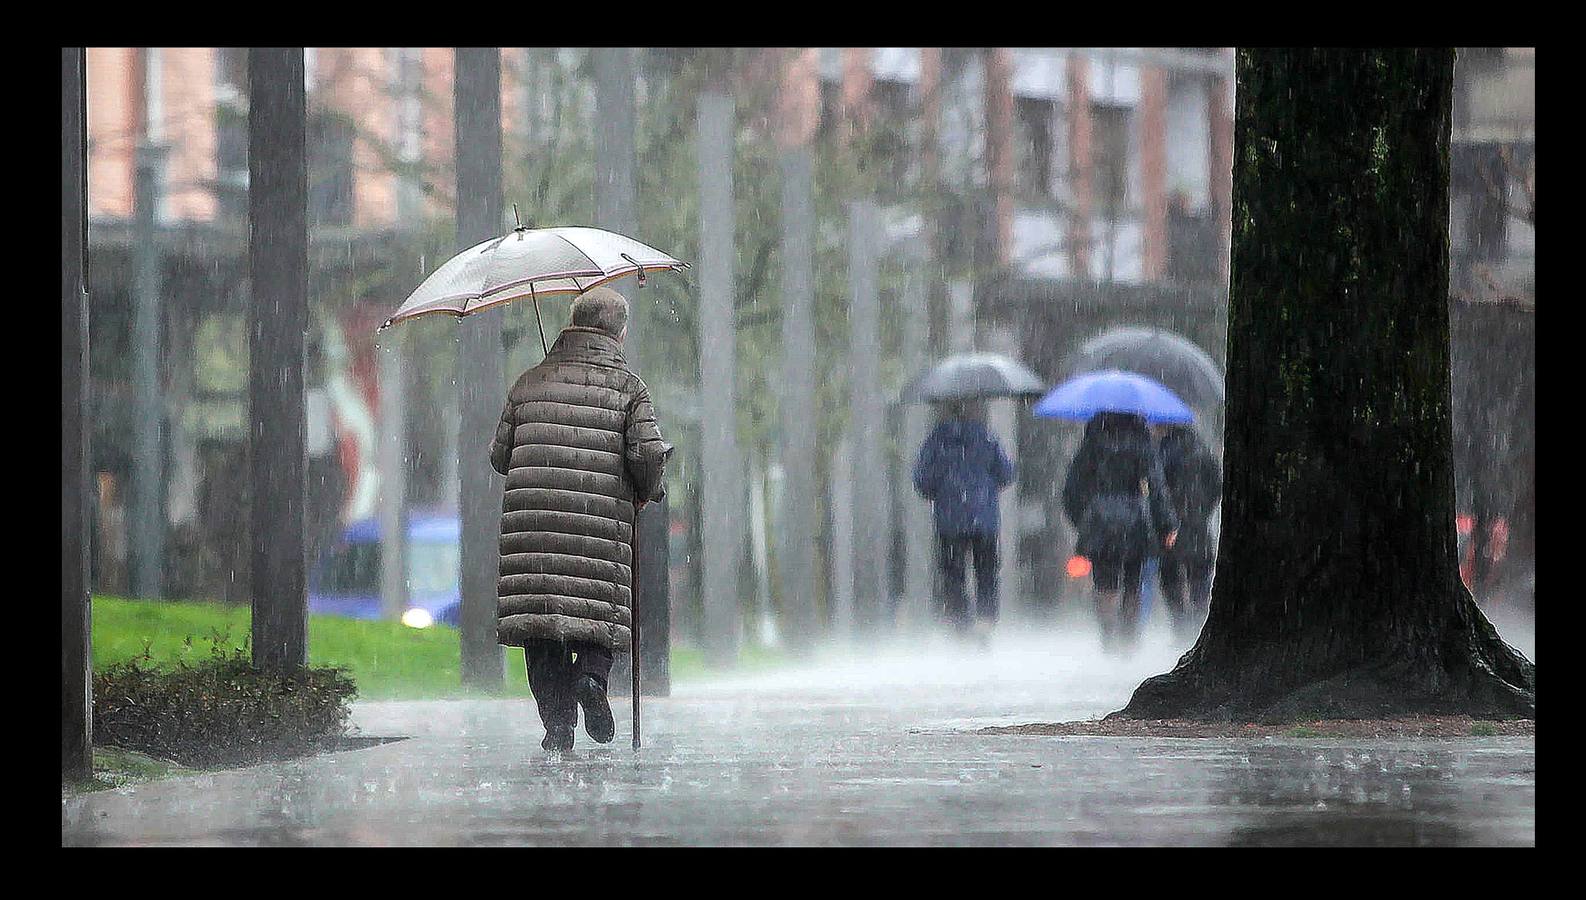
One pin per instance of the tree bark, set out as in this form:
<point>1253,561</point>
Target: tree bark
<point>481,382</point>
<point>617,209</point>
<point>278,316</point>
<point>721,464</point>
<point>77,721</point>
<point>1338,593</point>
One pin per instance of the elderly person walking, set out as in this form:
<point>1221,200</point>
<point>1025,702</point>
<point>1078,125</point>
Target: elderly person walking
<point>582,452</point>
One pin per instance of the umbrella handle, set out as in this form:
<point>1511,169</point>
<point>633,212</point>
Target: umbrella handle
<point>537,319</point>
<point>636,266</point>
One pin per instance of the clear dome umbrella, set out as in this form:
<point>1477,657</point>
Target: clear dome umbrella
<point>973,376</point>
<point>532,263</point>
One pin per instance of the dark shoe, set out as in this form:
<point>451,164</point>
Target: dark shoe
<point>558,738</point>
<point>597,711</point>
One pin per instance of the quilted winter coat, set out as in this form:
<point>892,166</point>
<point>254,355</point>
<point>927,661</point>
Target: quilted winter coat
<point>579,445</point>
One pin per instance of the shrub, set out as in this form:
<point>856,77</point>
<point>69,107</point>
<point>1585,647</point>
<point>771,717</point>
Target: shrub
<point>220,711</point>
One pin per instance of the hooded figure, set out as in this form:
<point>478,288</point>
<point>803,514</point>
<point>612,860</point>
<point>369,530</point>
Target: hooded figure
<point>1117,499</point>
<point>580,448</point>
<point>1195,480</point>
<point>961,469</point>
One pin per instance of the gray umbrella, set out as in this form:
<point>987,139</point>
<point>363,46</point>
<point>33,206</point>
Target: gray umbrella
<point>973,376</point>
<point>1157,353</point>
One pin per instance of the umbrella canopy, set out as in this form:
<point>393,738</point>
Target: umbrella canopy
<point>1113,390</point>
<point>531,262</point>
<point>1160,354</point>
<point>973,376</point>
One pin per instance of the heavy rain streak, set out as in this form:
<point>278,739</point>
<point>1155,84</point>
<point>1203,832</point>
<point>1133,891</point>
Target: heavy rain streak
<point>798,446</point>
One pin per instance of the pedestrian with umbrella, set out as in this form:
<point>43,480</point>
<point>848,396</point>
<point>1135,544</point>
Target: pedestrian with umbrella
<point>1165,357</point>
<point>961,469</point>
<point>582,452</point>
<point>1189,372</point>
<point>1115,494</point>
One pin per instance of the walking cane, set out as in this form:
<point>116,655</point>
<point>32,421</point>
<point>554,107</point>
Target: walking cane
<point>633,627</point>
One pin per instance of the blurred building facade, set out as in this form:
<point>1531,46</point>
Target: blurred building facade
<point>1068,191</point>
<point>1049,193</point>
<point>380,149</point>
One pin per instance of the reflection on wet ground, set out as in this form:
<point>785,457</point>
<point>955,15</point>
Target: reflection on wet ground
<point>873,748</point>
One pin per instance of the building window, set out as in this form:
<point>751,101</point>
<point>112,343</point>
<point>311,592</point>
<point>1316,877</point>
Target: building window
<point>895,132</point>
<point>231,132</point>
<point>330,168</point>
<point>1033,126</point>
<point>1110,157</point>
<point>831,109</point>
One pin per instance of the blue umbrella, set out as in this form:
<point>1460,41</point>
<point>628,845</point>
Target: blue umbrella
<point>1084,396</point>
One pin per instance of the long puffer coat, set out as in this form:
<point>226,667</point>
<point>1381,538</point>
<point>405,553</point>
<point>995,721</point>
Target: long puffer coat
<point>578,444</point>
<point>1115,494</point>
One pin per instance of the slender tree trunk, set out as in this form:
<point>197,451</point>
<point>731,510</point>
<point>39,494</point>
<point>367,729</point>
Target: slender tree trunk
<point>481,383</point>
<point>77,726</point>
<point>1338,592</point>
<point>278,315</point>
<point>797,530</point>
<point>146,512</point>
<point>617,209</point>
<point>721,465</point>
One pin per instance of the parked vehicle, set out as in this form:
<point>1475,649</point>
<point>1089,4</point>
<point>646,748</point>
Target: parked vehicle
<point>345,580</point>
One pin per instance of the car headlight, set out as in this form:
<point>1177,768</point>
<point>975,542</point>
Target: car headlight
<point>418,618</point>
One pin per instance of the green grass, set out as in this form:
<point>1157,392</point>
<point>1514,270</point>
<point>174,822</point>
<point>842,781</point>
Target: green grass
<point>388,660</point>
<point>115,768</point>
<point>1483,729</point>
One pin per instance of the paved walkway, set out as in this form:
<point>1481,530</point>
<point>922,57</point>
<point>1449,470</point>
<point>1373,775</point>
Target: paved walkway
<point>854,751</point>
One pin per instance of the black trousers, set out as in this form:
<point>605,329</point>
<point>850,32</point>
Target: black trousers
<point>1178,573</point>
<point>554,669</point>
<point>953,554</point>
<point>1119,628</point>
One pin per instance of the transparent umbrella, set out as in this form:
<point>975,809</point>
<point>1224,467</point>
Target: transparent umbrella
<point>533,263</point>
<point>1160,354</point>
<point>973,376</point>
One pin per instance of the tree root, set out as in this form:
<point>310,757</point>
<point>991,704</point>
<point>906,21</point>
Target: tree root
<point>1496,684</point>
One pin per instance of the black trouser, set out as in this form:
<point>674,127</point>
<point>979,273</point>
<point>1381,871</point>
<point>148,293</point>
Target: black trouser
<point>1120,627</point>
<point>554,669</point>
<point>953,552</point>
<point>1178,572</point>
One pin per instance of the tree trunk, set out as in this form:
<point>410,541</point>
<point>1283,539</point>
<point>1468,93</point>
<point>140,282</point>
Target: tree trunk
<point>278,317</point>
<point>1338,592</point>
<point>77,720</point>
<point>617,209</point>
<point>481,382</point>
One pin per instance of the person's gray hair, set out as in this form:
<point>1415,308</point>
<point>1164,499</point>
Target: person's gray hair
<point>601,308</point>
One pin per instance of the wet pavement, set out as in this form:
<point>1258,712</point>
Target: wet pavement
<point>873,749</point>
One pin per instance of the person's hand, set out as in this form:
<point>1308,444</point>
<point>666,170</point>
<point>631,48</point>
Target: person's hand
<point>1171,539</point>
<point>641,505</point>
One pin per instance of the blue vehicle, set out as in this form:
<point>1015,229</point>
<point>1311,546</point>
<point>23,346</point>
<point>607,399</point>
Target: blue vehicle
<point>345,580</point>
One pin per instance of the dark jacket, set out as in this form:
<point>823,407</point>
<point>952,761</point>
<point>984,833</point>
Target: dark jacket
<point>578,443</point>
<point>960,469</point>
<point>1195,480</point>
<point>1115,494</point>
